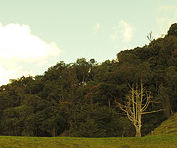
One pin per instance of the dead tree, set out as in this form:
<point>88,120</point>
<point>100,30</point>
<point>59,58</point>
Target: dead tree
<point>136,104</point>
<point>149,36</point>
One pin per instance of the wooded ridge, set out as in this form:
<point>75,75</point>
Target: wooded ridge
<point>78,99</point>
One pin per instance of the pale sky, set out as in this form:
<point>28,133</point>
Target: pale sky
<point>36,34</point>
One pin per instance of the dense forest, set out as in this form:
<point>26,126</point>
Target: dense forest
<point>78,99</point>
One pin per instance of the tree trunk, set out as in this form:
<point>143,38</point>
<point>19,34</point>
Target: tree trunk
<point>138,131</point>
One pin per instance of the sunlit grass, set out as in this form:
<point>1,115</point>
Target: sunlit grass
<point>159,141</point>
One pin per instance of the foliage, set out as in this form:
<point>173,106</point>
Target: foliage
<point>78,99</point>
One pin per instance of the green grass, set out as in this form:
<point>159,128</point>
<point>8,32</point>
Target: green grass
<point>158,141</point>
<point>168,126</point>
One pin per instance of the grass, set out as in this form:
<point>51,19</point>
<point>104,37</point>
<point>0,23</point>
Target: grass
<point>168,126</point>
<point>157,141</point>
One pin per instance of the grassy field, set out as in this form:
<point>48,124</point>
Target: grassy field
<point>158,141</point>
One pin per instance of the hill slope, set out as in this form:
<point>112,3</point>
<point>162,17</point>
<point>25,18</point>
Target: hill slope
<point>168,126</point>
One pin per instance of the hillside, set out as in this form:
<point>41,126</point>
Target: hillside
<point>78,99</point>
<point>168,126</point>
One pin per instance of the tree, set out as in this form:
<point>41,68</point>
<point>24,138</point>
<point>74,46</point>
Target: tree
<point>164,99</point>
<point>82,71</point>
<point>173,29</point>
<point>137,102</point>
<point>149,36</point>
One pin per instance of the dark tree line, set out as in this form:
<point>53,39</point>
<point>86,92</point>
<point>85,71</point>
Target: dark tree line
<point>78,99</point>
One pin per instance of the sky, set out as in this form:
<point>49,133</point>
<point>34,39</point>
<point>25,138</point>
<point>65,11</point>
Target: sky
<point>36,34</point>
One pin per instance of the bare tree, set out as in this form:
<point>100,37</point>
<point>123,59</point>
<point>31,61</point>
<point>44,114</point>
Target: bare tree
<point>136,104</point>
<point>149,36</point>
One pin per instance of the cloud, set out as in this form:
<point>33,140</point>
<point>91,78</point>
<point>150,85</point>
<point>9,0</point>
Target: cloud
<point>96,27</point>
<point>126,31</point>
<point>3,76</point>
<point>165,8</point>
<point>123,32</point>
<point>13,73</point>
<point>21,50</point>
<point>17,41</point>
<point>114,37</point>
<point>165,16</point>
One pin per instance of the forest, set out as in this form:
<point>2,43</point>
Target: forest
<point>78,99</point>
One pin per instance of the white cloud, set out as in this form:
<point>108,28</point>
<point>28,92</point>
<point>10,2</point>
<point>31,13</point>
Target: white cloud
<point>13,73</point>
<point>123,32</point>
<point>3,76</point>
<point>96,27</point>
<point>20,50</point>
<point>17,41</point>
<point>165,16</point>
<point>114,37</point>
<point>126,31</point>
<point>165,8</point>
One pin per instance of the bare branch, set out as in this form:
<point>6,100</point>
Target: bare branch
<point>122,107</point>
<point>129,117</point>
<point>152,111</point>
<point>149,36</point>
<point>147,102</point>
